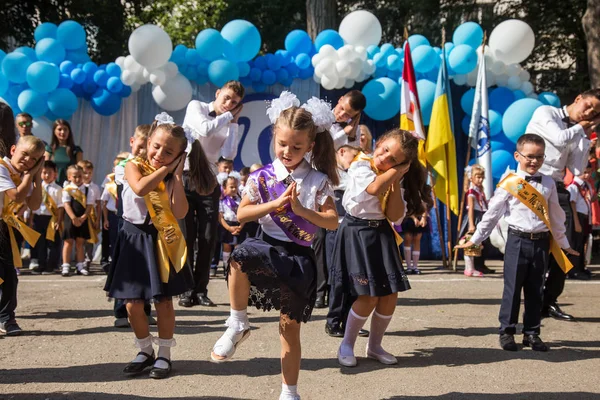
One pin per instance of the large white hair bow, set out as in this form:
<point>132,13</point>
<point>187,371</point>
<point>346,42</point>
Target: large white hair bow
<point>283,102</point>
<point>222,176</point>
<point>321,113</point>
<point>164,118</point>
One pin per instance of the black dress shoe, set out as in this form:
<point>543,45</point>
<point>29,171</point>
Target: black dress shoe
<point>203,300</point>
<point>320,302</point>
<point>555,312</point>
<point>507,342</point>
<point>485,270</point>
<point>187,300</point>
<point>581,276</point>
<point>161,373</point>
<point>136,367</point>
<point>534,342</point>
<point>334,330</point>
<point>363,333</point>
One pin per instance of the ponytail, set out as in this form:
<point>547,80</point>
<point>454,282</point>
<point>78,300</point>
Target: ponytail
<point>201,177</point>
<point>415,189</point>
<point>323,157</point>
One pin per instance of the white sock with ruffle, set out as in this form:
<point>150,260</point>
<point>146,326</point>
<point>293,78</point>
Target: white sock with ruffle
<point>164,350</point>
<point>145,346</point>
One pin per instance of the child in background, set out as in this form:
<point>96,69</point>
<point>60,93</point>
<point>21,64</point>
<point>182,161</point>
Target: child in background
<point>250,227</point>
<point>94,192</point>
<point>48,222</point>
<point>232,232</point>
<point>413,228</point>
<point>581,200</point>
<point>244,172</point>
<point>110,220</point>
<point>78,206</point>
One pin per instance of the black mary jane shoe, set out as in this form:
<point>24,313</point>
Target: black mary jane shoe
<point>161,373</point>
<point>136,367</point>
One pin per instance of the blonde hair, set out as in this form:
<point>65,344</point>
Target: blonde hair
<point>365,130</point>
<point>33,143</point>
<point>74,167</point>
<point>142,131</point>
<point>469,171</point>
<point>85,164</point>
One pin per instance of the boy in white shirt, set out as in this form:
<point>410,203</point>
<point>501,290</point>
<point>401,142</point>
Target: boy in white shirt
<point>94,192</point>
<point>581,198</point>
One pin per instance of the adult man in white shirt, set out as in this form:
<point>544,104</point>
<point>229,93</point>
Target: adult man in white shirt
<point>216,126</point>
<point>566,132</point>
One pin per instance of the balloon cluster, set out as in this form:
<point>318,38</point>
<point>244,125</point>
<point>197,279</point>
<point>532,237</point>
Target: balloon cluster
<point>46,80</point>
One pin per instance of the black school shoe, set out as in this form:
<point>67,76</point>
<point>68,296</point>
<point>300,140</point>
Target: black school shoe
<point>134,368</point>
<point>334,330</point>
<point>161,373</point>
<point>507,342</point>
<point>535,343</point>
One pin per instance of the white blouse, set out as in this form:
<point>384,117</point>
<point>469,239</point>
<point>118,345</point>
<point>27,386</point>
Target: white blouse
<point>228,213</point>
<point>134,206</point>
<point>55,192</point>
<point>89,199</point>
<point>313,189</point>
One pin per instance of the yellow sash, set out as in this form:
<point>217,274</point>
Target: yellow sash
<point>383,198</point>
<point>53,209</point>
<point>78,195</point>
<point>529,196</point>
<point>9,217</point>
<point>111,185</point>
<point>171,244</point>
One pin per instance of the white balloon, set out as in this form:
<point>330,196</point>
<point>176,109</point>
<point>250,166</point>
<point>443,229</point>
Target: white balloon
<point>135,87</point>
<point>174,95</point>
<point>489,57</point>
<point>346,53</point>
<point>340,83</point>
<point>356,67</point>
<point>343,68</point>
<point>362,52</point>
<point>328,82</point>
<point>317,79</point>
<point>460,79</point>
<point>472,78</point>
<point>120,61</point>
<point>146,73</point>
<point>512,41</point>
<point>498,68</point>
<point>139,78</point>
<point>42,127</point>
<point>514,82</point>
<point>150,45</point>
<point>349,83</point>
<point>369,67</point>
<point>502,80</point>
<point>328,51</point>
<point>131,64</point>
<point>316,59</point>
<point>513,69</point>
<point>128,77</point>
<point>490,78</point>
<point>158,77</point>
<point>524,75</point>
<point>326,66</point>
<point>171,69</point>
<point>360,28</point>
<point>527,87</point>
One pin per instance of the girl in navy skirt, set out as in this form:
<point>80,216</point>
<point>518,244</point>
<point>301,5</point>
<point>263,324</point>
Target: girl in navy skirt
<point>138,273</point>
<point>232,232</point>
<point>413,227</point>
<point>291,200</point>
<point>366,257</point>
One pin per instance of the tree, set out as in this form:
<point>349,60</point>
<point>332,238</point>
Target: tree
<point>320,15</point>
<point>592,33</point>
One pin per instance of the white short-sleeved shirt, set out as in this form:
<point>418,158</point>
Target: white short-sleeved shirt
<point>357,202</point>
<point>479,201</point>
<point>94,191</point>
<point>55,192</point>
<point>6,183</point>
<point>313,189</point>
<point>111,203</point>
<point>134,206</point>
<point>89,200</point>
<point>581,205</point>
<point>228,213</point>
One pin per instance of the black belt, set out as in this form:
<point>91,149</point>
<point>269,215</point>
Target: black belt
<point>529,235</point>
<point>371,223</point>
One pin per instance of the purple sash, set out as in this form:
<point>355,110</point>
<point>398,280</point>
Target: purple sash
<point>231,203</point>
<point>296,228</point>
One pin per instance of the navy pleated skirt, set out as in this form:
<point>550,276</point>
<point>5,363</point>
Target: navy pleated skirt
<point>134,271</point>
<point>366,259</point>
<point>228,238</point>
<point>283,275</point>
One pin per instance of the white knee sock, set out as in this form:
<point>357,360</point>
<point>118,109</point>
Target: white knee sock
<point>238,320</point>
<point>164,350</point>
<point>353,325</point>
<point>379,324</point>
<point>226,255</point>
<point>288,392</point>
<point>145,346</point>
<point>408,257</point>
<point>469,263</point>
<point>415,259</point>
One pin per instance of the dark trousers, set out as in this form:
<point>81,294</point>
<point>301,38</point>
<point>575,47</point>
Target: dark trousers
<point>340,300</point>
<point>555,280</point>
<point>319,247</point>
<point>8,288</point>
<point>46,251</point>
<point>578,242</point>
<point>525,263</point>
<point>201,226</point>
<point>109,236</point>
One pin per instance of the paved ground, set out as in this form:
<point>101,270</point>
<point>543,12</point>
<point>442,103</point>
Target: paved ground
<point>443,332</point>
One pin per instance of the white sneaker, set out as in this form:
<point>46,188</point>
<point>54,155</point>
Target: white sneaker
<point>283,396</point>
<point>84,272</point>
<point>33,264</point>
<point>66,270</point>
<point>26,254</point>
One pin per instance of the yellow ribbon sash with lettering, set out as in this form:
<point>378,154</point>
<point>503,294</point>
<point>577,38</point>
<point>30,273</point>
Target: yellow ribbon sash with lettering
<point>529,196</point>
<point>53,209</point>
<point>13,222</point>
<point>171,244</point>
<point>78,195</point>
<point>383,198</point>
<point>111,185</point>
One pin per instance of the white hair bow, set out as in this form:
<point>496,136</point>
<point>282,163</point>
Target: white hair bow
<point>283,102</point>
<point>222,176</point>
<point>164,118</point>
<point>321,113</point>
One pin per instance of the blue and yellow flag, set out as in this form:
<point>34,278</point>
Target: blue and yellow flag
<point>440,146</point>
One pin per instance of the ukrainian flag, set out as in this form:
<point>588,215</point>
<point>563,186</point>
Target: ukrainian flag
<point>440,146</point>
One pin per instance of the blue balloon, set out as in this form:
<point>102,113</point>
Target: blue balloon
<point>71,35</point>
<point>255,74</point>
<point>469,33</point>
<point>501,142</point>
<point>62,103</point>
<point>2,55</point>
<point>495,120</point>
<point>424,59</point>
<point>462,59</point>
<point>501,98</point>
<point>466,124</point>
<point>302,60</point>
<point>466,101</point>
<point>210,44</point>
<point>259,87</point>
<point>282,75</point>
<point>14,67</point>
<point>203,68</point>
<point>293,69</point>
<point>387,49</point>
<point>426,90</point>
<point>101,78</point>
<point>28,51</point>
<point>286,57</point>
<point>394,62</point>
<point>77,90</point>
<point>221,71</point>
<point>78,56</point>
<point>380,73</point>
<point>244,69</point>
<point>50,50</point>
<point>273,61</point>
<point>114,84</point>
<point>519,94</point>
<point>306,73</point>
<point>517,116</point>
<point>89,87</point>
<point>78,76</point>
<point>191,72</point>
<point>268,77</point>
<point>65,81</point>
<point>125,91</point>
<point>193,57</point>
<point>66,67</point>
<point>246,81</point>
<point>105,103</point>
<point>43,77</point>
<point>549,99</point>
<point>379,60</point>
<point>45,30</point>
<point>330,37</point>
<point>244,39</point>
<point>33,102</point>
<point>501,159</point>
<point>260,63</point>
<point>178,54</point>
<point>113,69</point>
<point>448,47</point>
<point>395,75</point>
<point>298,41</point>
<point>372,50</point>
<point>417,40</point>
<point>383,98</point>
<point>90,68</point>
